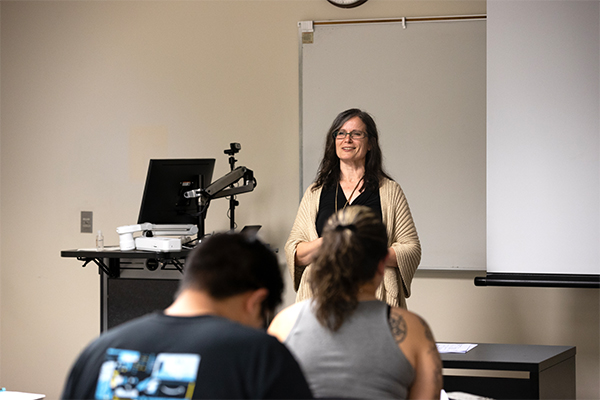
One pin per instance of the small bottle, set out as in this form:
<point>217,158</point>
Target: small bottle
<point>99,241</point>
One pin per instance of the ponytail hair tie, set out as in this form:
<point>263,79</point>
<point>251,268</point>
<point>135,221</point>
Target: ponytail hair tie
<point>341,228</point>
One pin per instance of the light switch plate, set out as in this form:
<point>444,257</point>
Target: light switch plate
<point>87,222</point>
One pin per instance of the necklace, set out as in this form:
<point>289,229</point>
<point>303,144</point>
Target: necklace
<point>351,194</point>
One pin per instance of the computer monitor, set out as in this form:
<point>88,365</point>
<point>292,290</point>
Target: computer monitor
<point>167,180</point>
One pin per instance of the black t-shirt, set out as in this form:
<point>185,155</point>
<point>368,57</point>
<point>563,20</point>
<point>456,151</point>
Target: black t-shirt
<point>367,198</point>
<point>185,357</point>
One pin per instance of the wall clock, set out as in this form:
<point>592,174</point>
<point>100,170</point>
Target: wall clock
<point>347,3</point>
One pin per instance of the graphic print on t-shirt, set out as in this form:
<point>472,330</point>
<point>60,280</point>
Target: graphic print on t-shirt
<point>129,374</point>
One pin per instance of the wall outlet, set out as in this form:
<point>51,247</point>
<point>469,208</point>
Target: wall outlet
<point>87,222</point>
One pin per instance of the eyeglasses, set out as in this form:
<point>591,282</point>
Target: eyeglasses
<point>340,135</point>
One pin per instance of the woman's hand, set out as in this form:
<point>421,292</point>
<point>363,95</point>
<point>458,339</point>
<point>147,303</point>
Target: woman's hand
<point>391,260</point>
<point>306,252</point>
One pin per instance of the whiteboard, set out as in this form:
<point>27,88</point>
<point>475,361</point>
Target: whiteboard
<point>543,195</point>
<point>424,83</point>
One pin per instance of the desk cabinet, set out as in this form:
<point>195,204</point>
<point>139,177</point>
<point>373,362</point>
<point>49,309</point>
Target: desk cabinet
<point>505,371</point>
<point>133,283</point>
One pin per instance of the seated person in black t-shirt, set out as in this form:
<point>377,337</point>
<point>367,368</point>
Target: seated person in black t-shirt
<point>207,343</point>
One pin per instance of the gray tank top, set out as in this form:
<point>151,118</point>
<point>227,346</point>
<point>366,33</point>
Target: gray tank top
<point>360,360</point>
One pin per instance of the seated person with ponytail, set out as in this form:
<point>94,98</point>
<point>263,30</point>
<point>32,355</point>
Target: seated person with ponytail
<point>349,343</point>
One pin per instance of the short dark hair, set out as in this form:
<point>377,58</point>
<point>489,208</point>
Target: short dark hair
<point>228,264</point>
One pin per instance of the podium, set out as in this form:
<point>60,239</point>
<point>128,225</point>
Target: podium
<point>132,283</point>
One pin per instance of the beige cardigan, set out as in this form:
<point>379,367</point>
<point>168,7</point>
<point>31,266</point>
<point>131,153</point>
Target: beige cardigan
<point>402,237</point>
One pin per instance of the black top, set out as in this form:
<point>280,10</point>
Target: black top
<point>204,357</point>
<point>367,198</point>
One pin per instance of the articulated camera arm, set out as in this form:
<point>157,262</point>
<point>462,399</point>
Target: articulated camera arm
<point>221,187</point>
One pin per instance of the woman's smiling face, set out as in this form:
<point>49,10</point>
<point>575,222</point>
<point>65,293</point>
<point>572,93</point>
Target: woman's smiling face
<point>349,149</point>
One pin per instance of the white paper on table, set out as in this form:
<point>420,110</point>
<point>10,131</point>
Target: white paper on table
<point>454,347</point>
<point>5,394</point>
<point>106,248</point>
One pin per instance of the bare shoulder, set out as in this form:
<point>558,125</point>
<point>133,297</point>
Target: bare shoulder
<point>423,327</point>
<point>398,324</point>
<point>418,345</point>
<point>402,319</point>
<point>411,332</point>
<point>284,321</point>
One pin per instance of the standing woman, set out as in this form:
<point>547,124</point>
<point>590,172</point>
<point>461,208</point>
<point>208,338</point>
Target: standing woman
<point>351,172</point>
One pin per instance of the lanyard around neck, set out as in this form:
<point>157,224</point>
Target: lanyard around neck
<point>351,194</point>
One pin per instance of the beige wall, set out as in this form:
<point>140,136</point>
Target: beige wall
<point>91,90</point>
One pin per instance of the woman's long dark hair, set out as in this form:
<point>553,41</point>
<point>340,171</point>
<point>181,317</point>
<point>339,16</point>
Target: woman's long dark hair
<point>329,169</point>
<point>354,243</point>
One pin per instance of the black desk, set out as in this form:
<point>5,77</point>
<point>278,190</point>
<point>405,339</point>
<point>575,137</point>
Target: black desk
<point>538,372</point>
<point>134,282</point>
<point>109,261</point>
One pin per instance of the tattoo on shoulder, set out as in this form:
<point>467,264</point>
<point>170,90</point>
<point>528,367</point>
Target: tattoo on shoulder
<point>433,352</point>
<point>428,333</point>
<point>398,327</point>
